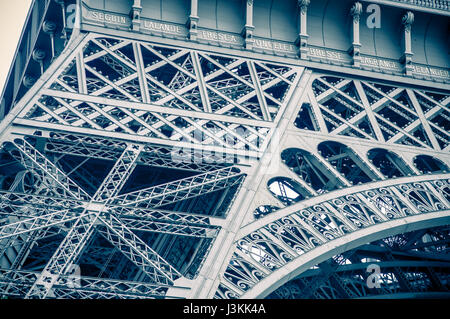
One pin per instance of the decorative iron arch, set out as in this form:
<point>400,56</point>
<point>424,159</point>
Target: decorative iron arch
<point>282,245</point>
<point>340,245</point>
<point>408,265</point>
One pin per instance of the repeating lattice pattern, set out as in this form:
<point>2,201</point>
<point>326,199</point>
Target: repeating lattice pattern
<point>172,94</point>
<point>121,108</point>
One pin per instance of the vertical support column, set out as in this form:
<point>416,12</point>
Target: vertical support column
<point>302,40</point>
<point>407,22</point>
<point>201,82</point>
<point>135,14</point>
<point>223,247</point>
<point>193,21</point>
<point>81,74</point>
<point>247,32</point>
<point>354,50</point>
<point>141,72</point>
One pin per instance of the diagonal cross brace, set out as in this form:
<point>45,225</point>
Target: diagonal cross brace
<point>181,189</point>
<point>37,163</point>
<point>145,224</point>
<point>33,160</point>
<point>69,283</point>
<point>118,175</point>
<point>36,223</point>
<point>159,270</point>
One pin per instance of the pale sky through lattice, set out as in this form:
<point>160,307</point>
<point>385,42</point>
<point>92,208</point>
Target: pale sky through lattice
<point>12,18</point>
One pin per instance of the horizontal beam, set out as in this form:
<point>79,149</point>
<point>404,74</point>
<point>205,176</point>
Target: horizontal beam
<point>143,256</point>
<point>242,154</point>
<point>142,224</point>
<point>181,189</point>
<point>416,5</point>
<point>8,198</point>
<point>268,58</point>
<point>35,223</point>
<point>158,109</point>
<point>153,157</point>
<point>70,284</point>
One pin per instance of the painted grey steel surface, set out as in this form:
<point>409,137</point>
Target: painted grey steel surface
<point>227,149</point>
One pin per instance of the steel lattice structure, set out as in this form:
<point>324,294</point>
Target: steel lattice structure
<point>142,168</point>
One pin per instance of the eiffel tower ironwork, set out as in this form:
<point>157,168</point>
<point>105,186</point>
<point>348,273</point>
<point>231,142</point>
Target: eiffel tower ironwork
<point>139,165</point>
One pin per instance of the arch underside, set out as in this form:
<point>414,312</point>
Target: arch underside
<point>407,265</point>
<point>340,269</point>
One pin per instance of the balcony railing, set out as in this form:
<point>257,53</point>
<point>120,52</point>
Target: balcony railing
<point>434,4</point>
<point>443,5</point>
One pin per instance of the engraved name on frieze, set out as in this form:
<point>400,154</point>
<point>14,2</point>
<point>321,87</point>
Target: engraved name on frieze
<point>107,17</point>
<point>439,72</point>
<point>162,27</point>
<point>218,36</point>
<point>430,71</point>
<point>272,45</point>
<point>385,64</point>
<point>331,55</point>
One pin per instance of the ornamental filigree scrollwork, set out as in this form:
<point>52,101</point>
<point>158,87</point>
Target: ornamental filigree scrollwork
<point>224,292</point>
<point>49,27</point>
<point>421,197</point>
<point>407,20</point>
<point>265,252</point>
<point>294,235</point>
<point>356,11</point>
<point>328,224</point>
<point>335,218</point>
<point>356,211</point>
<point>38,55</point>
<point>242,274</point>
<point>28,81</point>
<point>443,187</point>
<point>388,203</point>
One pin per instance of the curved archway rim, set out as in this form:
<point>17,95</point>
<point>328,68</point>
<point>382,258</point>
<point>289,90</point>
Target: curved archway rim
<point>247,229</point>
<point>342,244</point>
